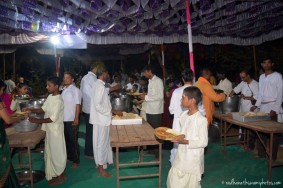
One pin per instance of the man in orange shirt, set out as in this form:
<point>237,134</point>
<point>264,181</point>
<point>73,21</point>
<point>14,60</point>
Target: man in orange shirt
<point>208,93</point>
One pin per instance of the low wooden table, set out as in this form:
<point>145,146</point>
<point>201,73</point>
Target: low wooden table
<point>25,140</point>
<point>134,135</point>
<point>266,127</point>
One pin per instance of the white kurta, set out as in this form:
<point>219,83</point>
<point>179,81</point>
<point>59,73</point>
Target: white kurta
<point>87,83</point>
<point>177,109</point>
<point>100,118</point>
<point>247,90</point>
<point>55,149</point>
<point>225,85</point>
<point>188,165</point>
<point>270,92</point>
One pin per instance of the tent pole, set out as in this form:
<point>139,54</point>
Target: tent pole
<point>14,66</point>
<point>191,54</point>
<point>255,67</point>
<point>163,62</point>
<point>4,66</point>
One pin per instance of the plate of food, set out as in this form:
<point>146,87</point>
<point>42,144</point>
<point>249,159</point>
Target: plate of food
<point>165,133</point>
<point>134,93</point>
<point>18,114</point>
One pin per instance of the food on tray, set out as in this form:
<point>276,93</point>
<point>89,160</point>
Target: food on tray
<point>134,93</point>
<point>18,114</point>
<point>249,114</point>
<point>126,116</point>
<point>165,133</point>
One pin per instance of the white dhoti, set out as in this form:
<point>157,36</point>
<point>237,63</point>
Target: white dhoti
<point>178,179</point>
<point>175,126</point>
<point>101,146</point>
<point>55,154</point>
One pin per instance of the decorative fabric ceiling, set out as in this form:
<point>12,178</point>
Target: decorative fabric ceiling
<point>241,22</point>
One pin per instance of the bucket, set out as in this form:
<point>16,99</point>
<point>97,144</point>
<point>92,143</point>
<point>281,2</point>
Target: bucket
<point>231,104</point>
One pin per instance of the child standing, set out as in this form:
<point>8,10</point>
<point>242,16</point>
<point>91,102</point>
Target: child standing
<point>188,165</point>
<point>55,149</point>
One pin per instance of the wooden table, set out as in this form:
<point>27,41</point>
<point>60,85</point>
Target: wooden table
<point>135,135</point>
<point>25,140</point>
<point>267,127</point>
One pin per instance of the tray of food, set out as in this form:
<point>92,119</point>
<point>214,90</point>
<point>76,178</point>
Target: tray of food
<point>18,114</point>
<point>250,116</point>
<point>127,119</point>
<point>165,133</point>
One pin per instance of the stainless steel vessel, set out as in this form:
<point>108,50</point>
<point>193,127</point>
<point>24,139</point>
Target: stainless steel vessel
<point>123,102</point>
<point>231,104</point>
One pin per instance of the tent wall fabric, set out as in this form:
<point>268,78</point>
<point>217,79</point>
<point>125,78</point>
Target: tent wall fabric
<point>240,22</point>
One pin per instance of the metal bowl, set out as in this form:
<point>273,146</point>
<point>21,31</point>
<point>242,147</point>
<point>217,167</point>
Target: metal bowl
<point>25,125</point>
<point>38,175</point>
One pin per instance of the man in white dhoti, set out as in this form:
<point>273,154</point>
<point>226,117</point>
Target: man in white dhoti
<point>249,91</point>
<point>55,149</point>
<point>269,100</point>
<point>176,107</point>
<point>100,117</point>
<point>188,165</point>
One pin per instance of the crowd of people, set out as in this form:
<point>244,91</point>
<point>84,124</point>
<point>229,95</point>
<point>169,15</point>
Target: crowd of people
<point>190,107</point>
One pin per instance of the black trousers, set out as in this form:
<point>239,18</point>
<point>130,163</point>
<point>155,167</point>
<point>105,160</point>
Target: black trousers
<point>260,148</point>
<point>88,136</point>
<point>252,140</point>
<point>72,145</point>
<point>155,121</point>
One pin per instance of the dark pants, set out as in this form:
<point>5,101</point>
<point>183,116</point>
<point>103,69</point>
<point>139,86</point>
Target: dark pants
<point>252,139</point>
<point>155,121</point>
<point>261,150</point>
<point>72,145</point>
<point>88,136</point>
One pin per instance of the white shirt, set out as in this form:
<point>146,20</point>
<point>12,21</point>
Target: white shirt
<point>190,157</point>
<point>87,83</point>
<point>247,90</point>
<point>100,106</point>
<point>71,96</point>
<point>270,92</point>
<point>10,85</point>
<point>155,96</point>
<point>225,85</point>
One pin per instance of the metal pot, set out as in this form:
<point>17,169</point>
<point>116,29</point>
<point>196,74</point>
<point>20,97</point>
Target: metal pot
<point>122,103</point>
<point>231,104</point>
<point>25,125</point>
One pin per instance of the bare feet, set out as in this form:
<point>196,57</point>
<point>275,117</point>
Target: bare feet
<point>74,165</point>
<point>56,181</point>
<point>103,173</point>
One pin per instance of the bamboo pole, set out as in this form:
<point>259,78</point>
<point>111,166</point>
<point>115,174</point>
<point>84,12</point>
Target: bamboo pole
<point>14,66</point>
<point>4,66</point>
<point>255,67</point>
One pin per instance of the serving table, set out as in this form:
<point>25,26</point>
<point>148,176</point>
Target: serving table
<point>25,140</point>
<point>122,136</point>
<point>267,127</point>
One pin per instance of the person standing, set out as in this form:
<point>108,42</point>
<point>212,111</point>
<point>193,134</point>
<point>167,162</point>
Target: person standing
<point>188,166</point>
<point>269,100</point>
<point>208,94</point>
<point>154,100</point>
<point>10,84</point>
<point>100,118</point>
<point>249,91</point>
<point>86,86</point>
<point>8,177</point>
<point>224,84</point>
<point>55,155</point>
<point>72,98</point>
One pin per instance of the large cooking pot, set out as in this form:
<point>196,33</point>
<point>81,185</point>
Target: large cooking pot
<point>122,102</point>
<point>33,103</point>
<point>25,125</point>
<point>231,104</point>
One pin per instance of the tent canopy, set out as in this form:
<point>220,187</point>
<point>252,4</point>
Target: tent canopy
<point>240,22</point>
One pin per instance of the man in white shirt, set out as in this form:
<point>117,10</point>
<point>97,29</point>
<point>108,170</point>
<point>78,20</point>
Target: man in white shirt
<point>154,99</point>
<point>10,84</point>
<point>269,100</point>
<point>249,91</point>
<point>100,117</point>
<point>87,83</point>
<point>72,98</point>
<point>224,84</point>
